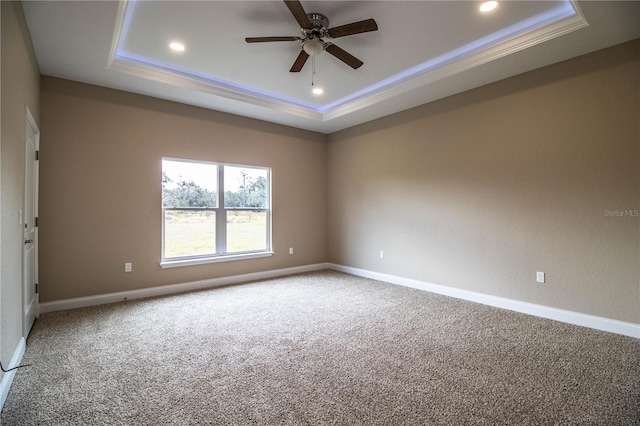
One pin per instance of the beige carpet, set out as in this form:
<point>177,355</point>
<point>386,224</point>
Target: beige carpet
<point>320,348</point>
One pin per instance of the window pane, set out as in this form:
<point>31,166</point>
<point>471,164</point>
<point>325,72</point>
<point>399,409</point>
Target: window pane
<point>189,184</point>
<point>246,230</point>
<point>245,187</point>
<point>189,233</point>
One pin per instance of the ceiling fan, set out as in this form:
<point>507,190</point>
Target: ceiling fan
<point>314,29</point>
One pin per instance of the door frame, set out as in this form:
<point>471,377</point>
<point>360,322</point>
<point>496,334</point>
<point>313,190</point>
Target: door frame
<point>30,122</point>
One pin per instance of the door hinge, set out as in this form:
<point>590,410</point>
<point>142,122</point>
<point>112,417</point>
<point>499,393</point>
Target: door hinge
<point>36,222</point>
<point>37,155</point>
<point>36,288</point>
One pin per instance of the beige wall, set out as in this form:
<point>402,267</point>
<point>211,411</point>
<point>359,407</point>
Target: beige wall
<point>481,190</point>
<point>477,191</point>
<point>100,187</point>
<point>19,88</point>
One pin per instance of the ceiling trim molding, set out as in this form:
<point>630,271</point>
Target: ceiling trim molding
<point>155,73</point>
<point>118,29</point>
<point>538,29</point>
<point>545,31</point>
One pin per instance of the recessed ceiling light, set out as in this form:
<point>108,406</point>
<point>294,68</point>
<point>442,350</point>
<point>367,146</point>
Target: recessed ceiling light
<point>178,47</point>
<point>488,6</point>
<point>317,91</point>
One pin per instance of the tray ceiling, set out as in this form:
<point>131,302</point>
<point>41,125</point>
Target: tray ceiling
<point>422,51</point>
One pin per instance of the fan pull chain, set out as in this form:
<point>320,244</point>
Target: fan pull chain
<point>313,68</point>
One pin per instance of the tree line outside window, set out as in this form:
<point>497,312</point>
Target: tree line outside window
<point>197,222</point>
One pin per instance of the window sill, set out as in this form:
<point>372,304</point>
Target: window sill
<point>213,259</point>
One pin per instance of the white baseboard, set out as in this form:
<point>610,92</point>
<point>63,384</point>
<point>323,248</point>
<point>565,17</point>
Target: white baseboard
<point>7,379</point>
<point>101,299</point>
<point>570,317</point>
<point>576,318</point>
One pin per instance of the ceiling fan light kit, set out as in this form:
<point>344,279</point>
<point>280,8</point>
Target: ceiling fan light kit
<point>314,28</point>
<point>313,46</point>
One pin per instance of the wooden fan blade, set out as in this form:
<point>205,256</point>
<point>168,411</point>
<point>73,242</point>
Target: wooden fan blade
<point>299,14</point>
<point>344,56</point>
<point>266,39</point>
<point>353,28</point>
<point>300,60</point>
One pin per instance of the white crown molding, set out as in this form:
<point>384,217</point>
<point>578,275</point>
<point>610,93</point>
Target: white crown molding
<point>118,29</point>
<point>542,28</point>
<point>157,74</point>
<point>545,31</point>
<point>152,72</point>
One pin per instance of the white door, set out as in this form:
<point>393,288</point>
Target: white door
<point>30,213</point>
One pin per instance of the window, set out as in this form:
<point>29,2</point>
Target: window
<point>214,212</point>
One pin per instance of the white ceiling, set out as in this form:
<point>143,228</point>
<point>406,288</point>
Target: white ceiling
<point>423,51</point>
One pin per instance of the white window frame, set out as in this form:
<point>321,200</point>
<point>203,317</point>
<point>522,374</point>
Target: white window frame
<point>221,254</point>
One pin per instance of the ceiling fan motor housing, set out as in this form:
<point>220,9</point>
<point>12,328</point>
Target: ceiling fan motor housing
<point>319,21</point>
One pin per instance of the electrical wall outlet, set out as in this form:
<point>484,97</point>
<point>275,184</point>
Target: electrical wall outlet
<point>381,254</point>
<point>290,250</point>
<point>540,277</point>
<point>128,267</point>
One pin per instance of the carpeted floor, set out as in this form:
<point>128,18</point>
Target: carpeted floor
<point>320,348</point>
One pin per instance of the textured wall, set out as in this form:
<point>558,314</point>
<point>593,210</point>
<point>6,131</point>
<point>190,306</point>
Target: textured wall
<point>481,190</point>
<point>100,201</point>
<point>477,191</point>
<point>20,88</point>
